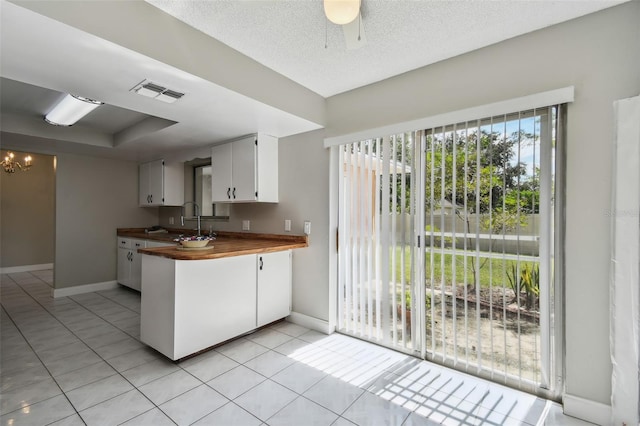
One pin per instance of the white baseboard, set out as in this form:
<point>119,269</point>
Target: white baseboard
<point>85,288</point>
<point>25,268</point>
<point>585,409</point>
<point>310,322</point>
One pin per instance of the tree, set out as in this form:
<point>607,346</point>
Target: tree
<point>476,172</point>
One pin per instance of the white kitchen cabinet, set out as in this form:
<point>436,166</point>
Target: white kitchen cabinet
<point>188,306</point>
<point>130,261</point>
<point>124,261</point>
<point>161,184</point>
<point>245,170</point>
<point>191,305</point>
<point>273,287</point>
<point>221,179</point>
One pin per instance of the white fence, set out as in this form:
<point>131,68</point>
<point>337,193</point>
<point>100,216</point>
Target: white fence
<point>523,241</point>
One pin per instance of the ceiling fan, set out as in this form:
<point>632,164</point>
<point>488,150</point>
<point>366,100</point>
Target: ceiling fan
<point>347,13</point>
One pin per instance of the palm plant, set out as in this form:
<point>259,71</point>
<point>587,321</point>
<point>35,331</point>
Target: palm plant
<point>528,282</point>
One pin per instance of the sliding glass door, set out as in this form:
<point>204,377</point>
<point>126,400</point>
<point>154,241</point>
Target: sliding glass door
<point>446,245</point>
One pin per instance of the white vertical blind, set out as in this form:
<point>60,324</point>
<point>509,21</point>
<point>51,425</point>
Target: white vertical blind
<point>376,250</point>
<point>446,244</point>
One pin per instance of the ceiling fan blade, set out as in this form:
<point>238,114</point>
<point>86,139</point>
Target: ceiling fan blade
<point>354,35</point>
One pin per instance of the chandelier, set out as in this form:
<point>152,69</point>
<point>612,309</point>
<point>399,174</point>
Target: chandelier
<point>10,165</point>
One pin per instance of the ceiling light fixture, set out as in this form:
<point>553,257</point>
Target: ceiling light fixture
<point>155,91</point>
<point>10,165</point>
<point>341,12</point>
<point>71,109</point>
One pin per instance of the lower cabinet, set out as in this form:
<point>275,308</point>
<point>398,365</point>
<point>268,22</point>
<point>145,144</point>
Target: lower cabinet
<point>130,261</point>
<point>273,287</point>
<point>191,305</point>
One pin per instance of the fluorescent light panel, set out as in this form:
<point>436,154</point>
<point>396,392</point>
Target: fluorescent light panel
<point>70,109</point>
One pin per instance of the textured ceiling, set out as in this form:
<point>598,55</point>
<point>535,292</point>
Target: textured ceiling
<point>288,36</point>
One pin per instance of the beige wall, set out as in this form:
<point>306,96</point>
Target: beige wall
<point>27,214</point>
<point>94,197</point>
<point>303,195</point>
<point>598,54</point>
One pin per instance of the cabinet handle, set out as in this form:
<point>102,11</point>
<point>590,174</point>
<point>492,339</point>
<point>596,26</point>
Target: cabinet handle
<point>234,193</point>
<point>229,193</point>
<point>151,197</point>
<point>261,263</point>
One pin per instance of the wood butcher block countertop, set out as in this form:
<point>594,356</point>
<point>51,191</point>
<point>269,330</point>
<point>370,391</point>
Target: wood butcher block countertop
<point>226,244</point>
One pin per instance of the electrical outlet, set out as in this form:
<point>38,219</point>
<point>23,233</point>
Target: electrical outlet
<point>307,227</point>
<point>287,225</point>
<point>246,225</point>
<point>170,220</point>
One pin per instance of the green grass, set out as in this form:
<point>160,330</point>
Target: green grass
<point>492,271</point>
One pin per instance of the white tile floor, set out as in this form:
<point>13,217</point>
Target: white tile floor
<point>77,360</point>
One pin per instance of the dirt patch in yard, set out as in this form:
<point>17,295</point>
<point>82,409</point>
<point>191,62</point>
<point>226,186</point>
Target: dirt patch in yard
<point>493,331</point>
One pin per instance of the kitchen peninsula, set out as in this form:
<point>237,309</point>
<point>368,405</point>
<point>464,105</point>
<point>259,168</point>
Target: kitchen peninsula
<point>195,299</point>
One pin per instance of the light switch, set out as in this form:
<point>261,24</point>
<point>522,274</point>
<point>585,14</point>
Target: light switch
<point>287,225</point>
<point>170,220</point>
<point>307,227</point>
<point>246,225</point>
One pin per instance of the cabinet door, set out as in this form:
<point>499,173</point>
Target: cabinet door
<point>215,300</point>
<point>274,286</point>
<point>124,266</point>
<point>244,169</point>
<point>143,184</point>
<point>156,183</point>
<point>267,169</point>
<point>136,264</point>
<point>221,186</point>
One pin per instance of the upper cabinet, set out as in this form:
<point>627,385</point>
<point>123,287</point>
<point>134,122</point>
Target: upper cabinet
<point>245,170</point>
<point>161,184</point>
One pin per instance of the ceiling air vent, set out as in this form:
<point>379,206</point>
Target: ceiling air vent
<point>169,96</point>
<point>155,91</point>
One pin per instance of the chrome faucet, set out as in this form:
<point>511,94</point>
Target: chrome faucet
<point>197,213</point>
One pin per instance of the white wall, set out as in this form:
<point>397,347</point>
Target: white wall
<point>94,197</point>
<point>600,55</point>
